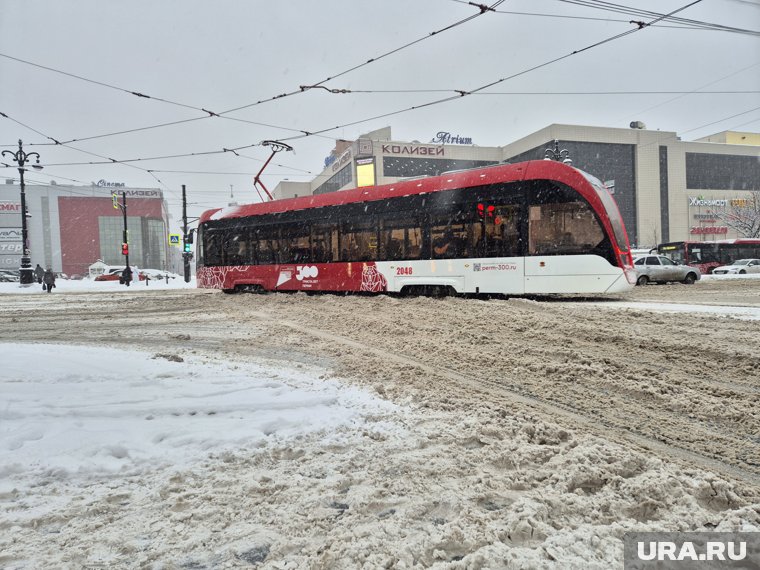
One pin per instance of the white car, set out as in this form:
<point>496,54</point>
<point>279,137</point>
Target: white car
<point>740,266</point>
<point>661,269</point>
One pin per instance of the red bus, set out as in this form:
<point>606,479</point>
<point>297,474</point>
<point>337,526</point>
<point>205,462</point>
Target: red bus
<point>529,228</point>
<point>707,255</point>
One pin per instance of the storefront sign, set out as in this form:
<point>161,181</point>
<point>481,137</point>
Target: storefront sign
<point>10,207</point>
<point>10,234</point>
<point>700,201</point>
<point>709,230</point>
<point>739,203</point>
<point>408,149</point>
<point>342,161</point>
<point>705,217</point>
<point>143,193</point>
<point>444,137</point>
<point>105,184</point>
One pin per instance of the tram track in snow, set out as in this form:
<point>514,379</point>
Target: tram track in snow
<point>191,322</point>
<point>553,410</point>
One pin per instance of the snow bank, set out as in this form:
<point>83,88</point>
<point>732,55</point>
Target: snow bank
<point>90,285</point>
<point>85,411</point>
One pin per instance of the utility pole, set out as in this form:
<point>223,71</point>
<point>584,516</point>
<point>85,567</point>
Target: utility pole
<point>187,255</point>
<point>125,241</point>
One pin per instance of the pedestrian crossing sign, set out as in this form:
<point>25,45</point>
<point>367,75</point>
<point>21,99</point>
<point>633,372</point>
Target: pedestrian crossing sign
<point>175,239</point>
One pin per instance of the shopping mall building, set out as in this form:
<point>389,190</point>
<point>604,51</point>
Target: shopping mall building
<point>667,189</point>
<point>71,227</point>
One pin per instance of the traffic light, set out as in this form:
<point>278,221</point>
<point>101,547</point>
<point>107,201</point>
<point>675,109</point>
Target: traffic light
<point>125,249</point>
<point>187,247</point>
<point>115,200</point>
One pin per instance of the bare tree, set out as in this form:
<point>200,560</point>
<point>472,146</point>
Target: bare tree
<point>743,215</point>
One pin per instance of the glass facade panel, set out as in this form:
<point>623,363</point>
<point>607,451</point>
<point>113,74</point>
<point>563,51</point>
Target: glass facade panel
<point>722,172</point>
<point>337,181</point>
<point>404,167</point>
<point>111,237</point>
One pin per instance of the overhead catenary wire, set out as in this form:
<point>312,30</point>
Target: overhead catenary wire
<point>460,94</point>
<point>621,9</point>
<point>483,10</point>
<point>698,89</point>
<point>223,114</point>
<point>721,120</point>
<point>681,23</point>
<point>554,93</point>
<point>464,93</point>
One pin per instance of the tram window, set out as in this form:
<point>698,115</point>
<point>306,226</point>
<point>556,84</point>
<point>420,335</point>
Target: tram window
<point>267,248</point>
<point>322,244</point>
<point>358,241</point>
<point>451,237</point>
<point>392,244</point>
<point>562,223</point>
<point>212,248</point>
<point>400,238</point>
<point>498,232</point>
<point>295,244</point>
<point>413,239</point>
<point>237,250</point>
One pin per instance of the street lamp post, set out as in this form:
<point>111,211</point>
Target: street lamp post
<point>26,273</point>
<point>557,154</point>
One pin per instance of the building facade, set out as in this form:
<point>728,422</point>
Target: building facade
<point>667,189</point>
<point>71,227</point>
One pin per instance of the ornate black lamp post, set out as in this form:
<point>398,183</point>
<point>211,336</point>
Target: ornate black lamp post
<point>21,158</point>
<point>557,154</point>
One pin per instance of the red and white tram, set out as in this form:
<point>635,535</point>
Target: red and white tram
<point>529,228</point>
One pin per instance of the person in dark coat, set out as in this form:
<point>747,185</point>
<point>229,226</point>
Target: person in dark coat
<point>48,280</point>
<point>126,276</point>
<point>38,273</point>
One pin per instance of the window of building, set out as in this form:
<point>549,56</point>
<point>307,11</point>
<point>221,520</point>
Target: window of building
<point>337,181</point>
<point>405,167</point>
<point>111,233</point>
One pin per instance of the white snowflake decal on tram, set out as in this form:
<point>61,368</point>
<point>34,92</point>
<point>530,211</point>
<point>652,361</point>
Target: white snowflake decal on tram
<point>214,277</point>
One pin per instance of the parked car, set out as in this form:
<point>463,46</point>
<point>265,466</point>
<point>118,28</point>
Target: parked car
<point>111,275</point>
<point>740,266</point>
<point>114,274</point>
<point>661,269</point>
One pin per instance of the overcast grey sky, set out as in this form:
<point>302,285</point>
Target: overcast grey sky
<point>226,54</point>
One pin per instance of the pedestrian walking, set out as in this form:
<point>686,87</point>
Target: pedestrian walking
<point>48,280</point>
<point>39,273</point>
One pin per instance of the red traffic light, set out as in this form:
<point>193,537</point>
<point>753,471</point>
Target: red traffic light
<point>125,249</point>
